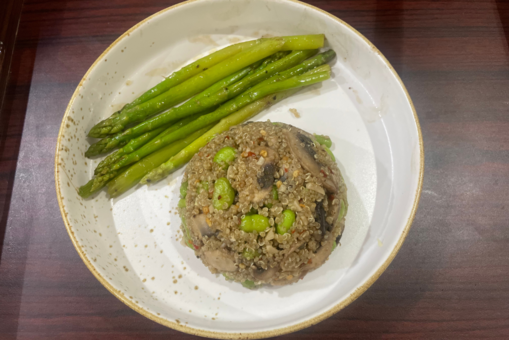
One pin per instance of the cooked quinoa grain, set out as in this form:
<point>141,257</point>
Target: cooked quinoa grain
<point>269,214</point>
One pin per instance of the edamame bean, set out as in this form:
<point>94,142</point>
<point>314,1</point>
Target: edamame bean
<point>249,284</point>
<point>324,140</point>
<point>342,210</point>
<point>183,189</point>
<point>330,153</point>
<point>288,221</point>
<point>225,156</point>
<point>224,194</point>
<point>275,196</point>
<point>250,223</point>
<point>182,203</point>
<point>250,254</point>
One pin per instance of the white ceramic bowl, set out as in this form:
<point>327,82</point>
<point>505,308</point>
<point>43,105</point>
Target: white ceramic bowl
<point>130,243</point>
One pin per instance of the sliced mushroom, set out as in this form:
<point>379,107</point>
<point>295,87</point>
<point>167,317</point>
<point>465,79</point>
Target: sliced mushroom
<point>286,280</point>
<point>265,275</point>
<point>220,260</point>
<point>303,148</point>
<point>321,217</point>
<point>199,226</point>
<point>266,178</point>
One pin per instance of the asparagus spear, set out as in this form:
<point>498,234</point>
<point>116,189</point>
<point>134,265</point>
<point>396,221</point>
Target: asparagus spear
<point>191,70</point>
<point>238,117</point>
<point>138,142</point>
<point>133,144</point>
<point>108,143</point>
<point>223,111</point>
<point>132,175</point>
<point>202,101</point>
<point>148,163</point>
<point>188,152</point>
<point>186,89</point>
<point>197,83</point>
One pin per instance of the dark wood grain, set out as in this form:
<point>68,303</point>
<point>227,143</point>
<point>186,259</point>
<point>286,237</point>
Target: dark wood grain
<point>451,277</point>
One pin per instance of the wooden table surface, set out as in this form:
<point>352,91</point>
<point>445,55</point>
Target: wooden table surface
<point>449,281</point>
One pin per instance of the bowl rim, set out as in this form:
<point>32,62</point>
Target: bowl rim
<point>251,335</point>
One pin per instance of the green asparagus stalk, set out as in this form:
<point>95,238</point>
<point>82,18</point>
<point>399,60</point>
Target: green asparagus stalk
<point>191,70</point>
<point>187,88</point>
<point>195,84</point>
<point>302,68</point>
<point>201,102</point>
<point>188,152</point>
<point>223,111</point>
<point>109,143</point>
<point>238,117</point>
<point>133,144</point>
<point>97,183</point>
<point>132,175</point>
<point>138,142</point>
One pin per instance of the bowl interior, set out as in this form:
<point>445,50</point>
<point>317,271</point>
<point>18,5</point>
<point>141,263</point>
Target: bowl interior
<point>132,244</point>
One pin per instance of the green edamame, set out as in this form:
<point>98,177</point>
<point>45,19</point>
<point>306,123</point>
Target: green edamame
<point>275,196</point>
<point>250,254</point>
<point>342,210</point>
<point>182,203</point>
<point>250,223</point>
<point>324,140</point>
<point>225,156</point>
<point>330,153</point>
<point>288,221</point>
<point>249,284</point>
<point>224,194</point>
<point>183,189</point>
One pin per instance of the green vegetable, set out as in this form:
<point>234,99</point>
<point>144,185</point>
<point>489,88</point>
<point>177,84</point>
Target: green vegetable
<point>236,118</point>
<point>134,143</point>
<point>342,210</point>
<point>250,254</point>
<point>334,245</point>
<point>187,88</point>
<point>183,189</point>
<point>187,234</point>
<point>132,175</point>
<point>250,223</point>
<point>275,195</point>
<point>330,153</point>
<point>223,193</point>
<point>182,203</point>
<point>225,156</point>
<point>324,140</point>
<point>217,94</point>
<point>287,223</point>
<point>249,284</point>
<point>223,111</point>
<point>183,74</point>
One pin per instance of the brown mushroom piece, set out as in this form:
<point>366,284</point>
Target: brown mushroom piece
<point>221,260</point>
<point>199,227</point>
<point>268,169</point>
<point>302,146</point>
<point>321,217</point>
<point>265,275</point>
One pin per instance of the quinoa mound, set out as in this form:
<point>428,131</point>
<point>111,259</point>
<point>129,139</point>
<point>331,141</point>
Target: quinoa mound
<point>280,216</point>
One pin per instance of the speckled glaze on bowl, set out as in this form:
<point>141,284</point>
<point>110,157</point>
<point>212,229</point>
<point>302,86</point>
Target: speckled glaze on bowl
<point>131,244</point>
